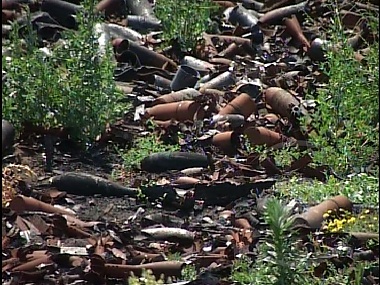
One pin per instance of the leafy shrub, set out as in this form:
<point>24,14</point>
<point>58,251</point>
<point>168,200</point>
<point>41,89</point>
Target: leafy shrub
<point>72,87</point>
<point>279,261</point>
<point>361,188</point>
<point>347,118</point>
<point>184,20</point>
<point>143,147</point>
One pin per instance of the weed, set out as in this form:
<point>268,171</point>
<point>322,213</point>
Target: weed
<point>282,253</point>
<point>147,278</point>
<point>346,121</point>
<point>282,261</point>
<point>176,256</point>
<point>283,156</point>
<point>332,276</point>
<point>243,271</point>
<point>344,221</point>
<point>143,147</point>
<point>72,87</point>
<point>360,188</point>
<point>189,273</point>
<point>184,20</point>
<point>352,275</point>
<point>279,260</point>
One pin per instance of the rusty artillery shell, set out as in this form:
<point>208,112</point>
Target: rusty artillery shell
<point>163,161</point>
<point>128,57</point>
<point>185,180</point>
<point>162,83</point>
<point>225,4</point>
<point>253,5</point>
<point>21,203</point>
<point>281,101</point>
<point>313,217</point>
<point>168,268</point>
<point>146,56</point>
<point>222,80</point>
<point>165,124</point>
<point>242,104</point>
<point>233,120</point>
<point>110,6</point>
<point>251,89</point>
<point>229,39</point>
<point>180,111</point>
<point>242,223</point>
<point>276,15</point>
<point>143,23</point>
<point>226,141</point>
<point>31,265</point>
<point>263,136</point>
<point>181,95</point>
<point>316,51</point>
<point>185,77</point>
<point>220,61</point>
<point>272,118</point>
<point>203,67</point>
<point>120,33</point>
<point>87,184</point>
<point>294,29</point>
<point>230,51</point>
<point>63,12</point>
<point>240,16</point>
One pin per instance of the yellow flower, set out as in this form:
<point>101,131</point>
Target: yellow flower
<point>334,230</point>
<point>343,221</point>
<point>329,211</point>
<point>325,215</point>
<point>374,218</point>
<point>366,211</point>
<point>351,220</point>
<point>362,217</point>
<point>371,226</point>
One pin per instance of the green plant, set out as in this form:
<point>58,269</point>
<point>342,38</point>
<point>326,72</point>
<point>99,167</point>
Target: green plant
<point>332,276</point>
<point>344,221</point>
<point>184,20</point>
<point>361,188</point>
<point>243,272</point>
<point>279,260</point>
<point>143,147</point>
<point>346,121</point>
<point>286,266</point>
<point>189,273</point>
<point>176,256</point>
<point>71,87</point>
<point>147,278</point>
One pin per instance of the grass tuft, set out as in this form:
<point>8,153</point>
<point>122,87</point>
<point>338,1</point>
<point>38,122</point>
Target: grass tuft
<point>184,21</point>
